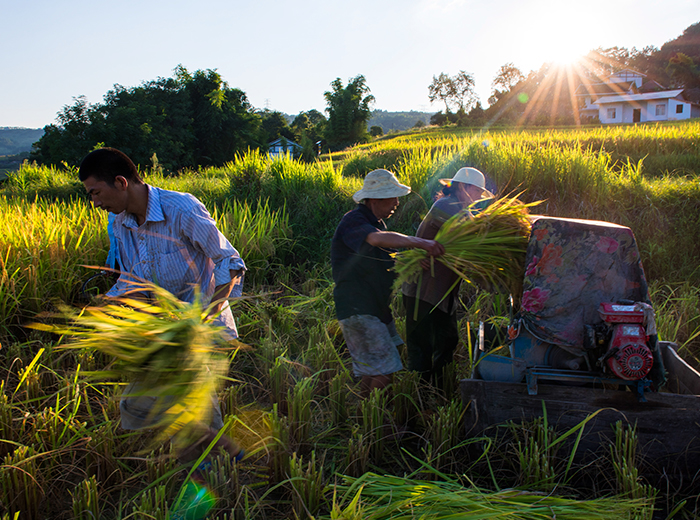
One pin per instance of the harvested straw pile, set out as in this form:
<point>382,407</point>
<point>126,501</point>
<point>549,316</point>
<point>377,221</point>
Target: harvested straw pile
<point>488,246</point>
<point>374,497</point>
<point>168,346</point>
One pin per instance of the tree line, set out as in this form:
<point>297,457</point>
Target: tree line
<point>194,120</point>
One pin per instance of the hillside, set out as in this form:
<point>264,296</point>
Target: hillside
<point>14,141</point>
<point>397,121</point>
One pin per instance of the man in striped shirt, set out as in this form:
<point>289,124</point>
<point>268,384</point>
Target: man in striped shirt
<point>168,238</point>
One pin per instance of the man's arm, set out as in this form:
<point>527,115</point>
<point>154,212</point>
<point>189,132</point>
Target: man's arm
<point>393,240</point>
<point>222,292</point>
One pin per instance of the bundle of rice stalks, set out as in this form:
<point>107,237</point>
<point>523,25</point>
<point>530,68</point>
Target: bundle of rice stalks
<point>374,497</point>
<point>167,347</point>
<point>489,245</point>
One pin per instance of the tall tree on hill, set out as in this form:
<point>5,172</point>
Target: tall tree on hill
<point>507,77</point>
<point>348,112</point>
<point>457,91</point>
<point>442,88</point>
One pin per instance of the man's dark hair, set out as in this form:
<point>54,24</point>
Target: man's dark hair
<point>449,189</point>
<point>105,164</point>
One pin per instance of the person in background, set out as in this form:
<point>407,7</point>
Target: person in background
<point>361,261</point>
<point>431,310</point>
<point>168,238</point>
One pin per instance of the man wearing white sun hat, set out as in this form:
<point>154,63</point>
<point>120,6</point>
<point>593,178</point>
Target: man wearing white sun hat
<point>361,260</point>
<point>431,311</point>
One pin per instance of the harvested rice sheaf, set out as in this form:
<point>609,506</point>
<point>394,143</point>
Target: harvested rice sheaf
<point>168,346</point>
<point>488,245</point>
<point>375,497</point>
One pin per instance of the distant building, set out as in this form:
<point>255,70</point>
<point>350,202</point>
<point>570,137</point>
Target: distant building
<point>627,98</point>
<point>283,146</point>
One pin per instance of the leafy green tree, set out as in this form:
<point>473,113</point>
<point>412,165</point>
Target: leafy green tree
<point>376,131</point>
<point>186,121</point>
<point>457,91</point>
<point>348,112</point>
<point>311,124</point>
<point>684,71</point>
<point>441,89</point>
<point>464,96</point>
<point>275,125</point>
<point>508,76</point>
<point>223,121</point>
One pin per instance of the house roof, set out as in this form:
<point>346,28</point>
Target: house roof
<point>627,98</point>
<point>627,72</point>
<point>278,142</point>
<point>602,89</point>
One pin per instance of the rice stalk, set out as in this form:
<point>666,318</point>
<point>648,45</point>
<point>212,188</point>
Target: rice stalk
<point>536,454</point>
<point>279,446</point>
<point>279,380</point>
<point>100,454</point>
<point>488,246</point>
<point>337,397</point>
<point>444,431</point>
<point>406,400</point>
<point>224,480</point>
<point>6,430</point>
<point>300,399</point>
<point>153,504</point>
<point>374,419</point>
<point>307,485</point>
<point>357,456</point>
<point>86,501</point>
<point>20,490</point>
<point>623,455</point>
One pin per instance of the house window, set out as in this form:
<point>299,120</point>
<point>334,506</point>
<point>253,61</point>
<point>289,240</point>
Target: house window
<point>612,113</point>
<point>660,110</point>
<point>679,109</point>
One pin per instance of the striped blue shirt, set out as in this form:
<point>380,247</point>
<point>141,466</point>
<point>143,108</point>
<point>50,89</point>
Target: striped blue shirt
<point>177,247</point>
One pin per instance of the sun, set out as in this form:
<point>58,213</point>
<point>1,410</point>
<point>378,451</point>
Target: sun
<point>555,36</point>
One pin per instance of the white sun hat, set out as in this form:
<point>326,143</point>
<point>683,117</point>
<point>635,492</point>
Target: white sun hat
<point>469,176</point>
<point>381,184</point>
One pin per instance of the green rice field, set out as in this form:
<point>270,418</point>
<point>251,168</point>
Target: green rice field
<point>315,449</point>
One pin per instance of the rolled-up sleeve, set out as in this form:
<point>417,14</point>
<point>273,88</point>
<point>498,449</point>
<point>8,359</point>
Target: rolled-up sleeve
<point>200,228</point>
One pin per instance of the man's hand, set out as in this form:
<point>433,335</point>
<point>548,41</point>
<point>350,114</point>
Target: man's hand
<point>222,292</point>
<point>432,247</point>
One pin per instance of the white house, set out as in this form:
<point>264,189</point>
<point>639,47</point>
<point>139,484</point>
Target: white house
<point>627,98</point>
<point>282,146</point>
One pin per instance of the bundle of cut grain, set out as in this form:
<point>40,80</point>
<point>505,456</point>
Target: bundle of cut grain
<point>489,245</point>
<point>168,346</point>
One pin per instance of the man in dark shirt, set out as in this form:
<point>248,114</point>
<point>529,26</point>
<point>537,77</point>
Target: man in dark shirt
<point>361,260</point>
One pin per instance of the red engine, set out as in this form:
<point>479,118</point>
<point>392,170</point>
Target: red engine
<point>628,357</point>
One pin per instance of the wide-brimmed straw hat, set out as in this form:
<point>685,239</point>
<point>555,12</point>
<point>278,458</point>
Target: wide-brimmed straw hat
<point>381,184</point>
<point>469,176</point>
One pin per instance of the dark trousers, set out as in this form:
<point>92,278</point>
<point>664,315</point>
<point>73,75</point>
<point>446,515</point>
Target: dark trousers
<point>431,338</point>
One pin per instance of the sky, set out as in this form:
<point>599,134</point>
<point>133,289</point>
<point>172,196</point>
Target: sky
<point>284,54</point>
